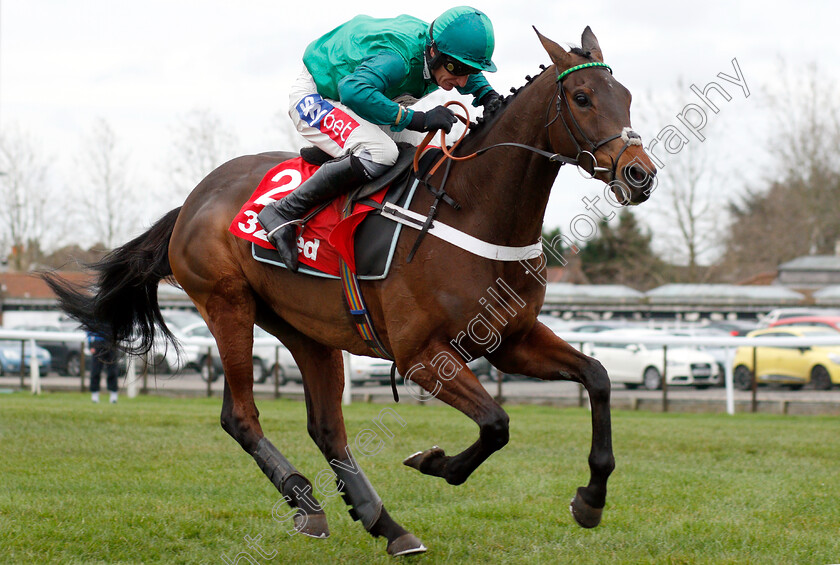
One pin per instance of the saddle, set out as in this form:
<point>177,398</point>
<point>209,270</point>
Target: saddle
<point>349,227</point>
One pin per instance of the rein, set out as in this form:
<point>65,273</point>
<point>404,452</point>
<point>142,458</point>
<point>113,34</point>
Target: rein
<point>590,166</point>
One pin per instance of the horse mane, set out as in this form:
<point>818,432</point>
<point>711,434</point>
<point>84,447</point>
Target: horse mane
<point>483,122</point>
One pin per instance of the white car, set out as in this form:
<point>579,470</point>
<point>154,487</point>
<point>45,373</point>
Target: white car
<point>365,369</point>
<point>264,356</point>
<point>163,358</point>
<point>642,364</point>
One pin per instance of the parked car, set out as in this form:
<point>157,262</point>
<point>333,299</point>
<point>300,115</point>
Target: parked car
<point>264,357</point>
<point>642,364</point>
<point>366,369</point>
<point>596,327</point>
<point>481,368</point>
<point>555,324</point>
<point>734,327</point>
<point>789,365</point>
<point>783,313</point>
<point>178,319</point>
<point>832,322</point>
<point>163,358</point>
<point>369,369</point>
<point>10,359</point>
<point>719,352</point>
<point>269,355</point>
<point>66,355</point>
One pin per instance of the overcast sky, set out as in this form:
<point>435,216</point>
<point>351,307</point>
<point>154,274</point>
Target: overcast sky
<point>142,66</point>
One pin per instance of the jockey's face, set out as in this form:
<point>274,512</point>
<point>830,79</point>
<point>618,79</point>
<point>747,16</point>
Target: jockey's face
<point>447,80</point>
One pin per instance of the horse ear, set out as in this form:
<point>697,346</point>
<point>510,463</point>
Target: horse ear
<point>589,42</point>
<point>559,56</point>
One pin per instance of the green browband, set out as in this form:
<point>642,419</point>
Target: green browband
<point>567,72</point>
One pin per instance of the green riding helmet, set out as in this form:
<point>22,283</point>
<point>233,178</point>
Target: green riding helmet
<point>465,34</point>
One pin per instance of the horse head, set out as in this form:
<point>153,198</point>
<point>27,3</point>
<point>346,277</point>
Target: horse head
<point>590,120</point>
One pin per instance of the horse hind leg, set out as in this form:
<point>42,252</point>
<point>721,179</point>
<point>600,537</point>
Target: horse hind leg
<point>323,382</point>
<point>309,518</point>
<point>230,315</point>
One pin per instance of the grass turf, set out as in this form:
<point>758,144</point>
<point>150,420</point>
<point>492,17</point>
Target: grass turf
<point>156,480</point>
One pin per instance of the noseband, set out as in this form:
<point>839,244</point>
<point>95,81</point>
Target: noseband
<point>590,164</point>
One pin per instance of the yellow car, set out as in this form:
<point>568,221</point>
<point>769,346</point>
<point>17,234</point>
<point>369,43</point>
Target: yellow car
<point>797,366</point>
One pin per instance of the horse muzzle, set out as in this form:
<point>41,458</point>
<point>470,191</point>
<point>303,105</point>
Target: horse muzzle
<point>634,179</point>
<point>640,181</point>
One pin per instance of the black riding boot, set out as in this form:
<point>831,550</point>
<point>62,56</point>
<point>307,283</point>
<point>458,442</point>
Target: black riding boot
<point>278,219</point>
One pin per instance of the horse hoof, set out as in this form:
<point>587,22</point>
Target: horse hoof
<point>406,544</point>
<point>426,461</point>
<point>312,525</point>
<point>585,515</point>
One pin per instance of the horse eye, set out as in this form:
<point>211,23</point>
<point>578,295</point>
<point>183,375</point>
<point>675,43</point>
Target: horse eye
<point>582,100</point>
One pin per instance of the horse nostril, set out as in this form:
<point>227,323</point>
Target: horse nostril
<point>637,176</point>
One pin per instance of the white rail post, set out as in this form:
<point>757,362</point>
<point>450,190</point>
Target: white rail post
<point>727,378</point>
<point>34,373</point>
<point>130,377</point>
<point>347,395</point>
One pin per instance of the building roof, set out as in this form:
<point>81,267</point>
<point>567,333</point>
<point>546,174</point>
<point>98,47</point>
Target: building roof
<point>723,294</point>
<point>31,287</point>
<point>560,293</point>
<point>30,290</point>
<point>812,263</point>
<point>828,296</point>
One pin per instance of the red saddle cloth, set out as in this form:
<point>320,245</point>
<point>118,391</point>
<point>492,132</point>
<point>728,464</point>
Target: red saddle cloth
<point>324,238</point>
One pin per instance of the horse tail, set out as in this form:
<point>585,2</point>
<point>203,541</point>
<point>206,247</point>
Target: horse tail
<point>121,303</point>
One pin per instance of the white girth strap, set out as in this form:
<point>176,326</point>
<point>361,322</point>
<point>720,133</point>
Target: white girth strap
<point>460,239</point>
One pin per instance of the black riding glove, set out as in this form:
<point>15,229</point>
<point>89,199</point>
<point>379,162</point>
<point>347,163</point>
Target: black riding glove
<point>491,102</point>
<point>439,117</point>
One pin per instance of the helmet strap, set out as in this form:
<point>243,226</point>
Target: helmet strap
<point>436,60</point>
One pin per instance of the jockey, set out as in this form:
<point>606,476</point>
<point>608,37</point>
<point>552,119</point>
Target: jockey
<point>352,101</point>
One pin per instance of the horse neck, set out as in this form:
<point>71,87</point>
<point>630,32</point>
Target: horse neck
<point>505,191</point>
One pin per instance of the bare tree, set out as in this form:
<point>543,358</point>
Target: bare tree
<point>108,200</point>
<point>685,201</point>
<point>793,211</point>
<point>23,198</point>
<point>805,115</point>
<point>806,123</point>
<point>202,143</point>
<point>691,215</point>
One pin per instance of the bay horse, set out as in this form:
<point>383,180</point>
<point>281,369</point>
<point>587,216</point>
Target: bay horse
<point>422,308</point>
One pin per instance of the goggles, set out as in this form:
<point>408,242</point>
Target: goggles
<point>456,67</point>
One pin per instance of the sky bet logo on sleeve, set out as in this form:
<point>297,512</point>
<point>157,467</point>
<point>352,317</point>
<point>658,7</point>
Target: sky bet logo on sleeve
<point>322,115</point>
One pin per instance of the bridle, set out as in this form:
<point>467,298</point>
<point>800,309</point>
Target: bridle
<point>629,136</point>
<point>585,159</point>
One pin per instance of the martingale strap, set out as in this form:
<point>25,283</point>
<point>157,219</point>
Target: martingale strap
<point>360,314</point>
<point>359,311</point>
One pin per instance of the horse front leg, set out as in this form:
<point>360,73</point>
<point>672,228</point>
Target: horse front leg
<point>442,373</point>
<point>543,355</point>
